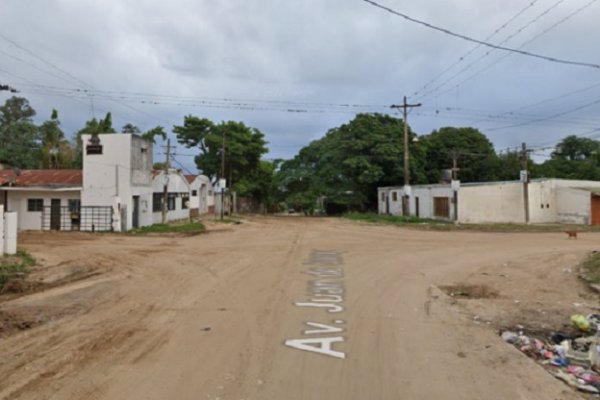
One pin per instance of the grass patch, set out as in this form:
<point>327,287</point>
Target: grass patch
<point>189,227</point>
<point>590,268</point>
<point>444,225</point>
<point>15,266</point>
<point>392,219</point>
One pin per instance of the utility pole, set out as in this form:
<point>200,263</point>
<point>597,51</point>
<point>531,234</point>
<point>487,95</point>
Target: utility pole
<point>222,180</point>
<point>405,106</point>
<point>455,182</point>
<point>166,182</point>
<point>525,180</point>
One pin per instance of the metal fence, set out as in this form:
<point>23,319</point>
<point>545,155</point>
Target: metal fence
<point>85,218</point>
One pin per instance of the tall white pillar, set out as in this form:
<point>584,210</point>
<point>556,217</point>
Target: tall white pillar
<point>10,233</point>
<point>1,231</point>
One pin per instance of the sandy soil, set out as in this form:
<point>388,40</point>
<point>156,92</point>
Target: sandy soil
<point>215,316</point>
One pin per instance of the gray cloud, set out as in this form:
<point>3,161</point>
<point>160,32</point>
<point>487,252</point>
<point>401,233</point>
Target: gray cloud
<point>337,51</point>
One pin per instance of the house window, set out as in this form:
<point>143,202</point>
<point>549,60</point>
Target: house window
<point>184,202</point>
<point>382,196</point>
<point>210,192</point>
<point>157,199</point>
<point>171,201</point>
<point>394,196</point>
<point>194,193</point>
<point>35,205</point>
<point>74,205</point>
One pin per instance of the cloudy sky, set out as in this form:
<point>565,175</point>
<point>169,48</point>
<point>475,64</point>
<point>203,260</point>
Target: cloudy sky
<point>296,69</point>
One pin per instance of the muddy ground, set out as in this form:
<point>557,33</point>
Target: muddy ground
<point>208,316</point>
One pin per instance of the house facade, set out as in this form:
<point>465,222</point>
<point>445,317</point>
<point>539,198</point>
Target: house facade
<point>42,199</point>
<point>202,197</point>
<point>117,173</point>
<point>178,196</point>
<point>549,201</point>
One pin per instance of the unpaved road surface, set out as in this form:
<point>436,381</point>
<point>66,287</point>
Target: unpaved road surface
<point>287,308</point>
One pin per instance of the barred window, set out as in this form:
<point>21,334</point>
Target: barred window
<point>35,205</point>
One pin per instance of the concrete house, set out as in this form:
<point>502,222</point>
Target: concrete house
<point>117,173</point>
<point>549,201</point>
<point>178,195</point>
<point>43,199</point>
<point>202,198</point>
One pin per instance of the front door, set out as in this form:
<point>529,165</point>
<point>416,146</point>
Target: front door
<point>595,210</point>
<point>55,214</point>
<point>136,212</point>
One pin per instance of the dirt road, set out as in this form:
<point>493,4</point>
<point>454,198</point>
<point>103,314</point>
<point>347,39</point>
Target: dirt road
<point>287,308</point>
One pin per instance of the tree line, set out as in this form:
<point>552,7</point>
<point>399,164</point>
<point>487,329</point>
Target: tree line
<point>342,169</point>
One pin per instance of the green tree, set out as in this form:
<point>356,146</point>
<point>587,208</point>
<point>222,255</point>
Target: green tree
<point>130,128</point>
<point>154,132</point>
<point>348,164</point>
<point>573,158</point>
<point>56,151</point>
<point>477,158</point>
<point>244,147</point>
<point>19,137</point>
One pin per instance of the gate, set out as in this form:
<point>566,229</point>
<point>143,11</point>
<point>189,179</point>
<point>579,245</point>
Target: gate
<point>84,218</point>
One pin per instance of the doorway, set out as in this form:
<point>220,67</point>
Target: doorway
<point>136,212</point>
<point>55,214</point>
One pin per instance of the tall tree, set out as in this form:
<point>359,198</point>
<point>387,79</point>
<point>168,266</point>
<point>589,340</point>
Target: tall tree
<point>56,151</point>
<point>348,164</point>
<point>475,151</point>
<point>244,146</point>
<point>19,137</point>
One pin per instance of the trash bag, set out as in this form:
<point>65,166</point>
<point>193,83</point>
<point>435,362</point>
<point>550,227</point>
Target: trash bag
<point>581,322</point>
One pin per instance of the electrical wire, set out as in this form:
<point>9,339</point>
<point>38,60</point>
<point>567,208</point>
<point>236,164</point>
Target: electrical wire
<point>468,53</point>
<point>493,46</point>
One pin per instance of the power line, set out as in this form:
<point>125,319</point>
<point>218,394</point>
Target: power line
<point>456,86</point>
<point>493,46</point>
<point>467,54</point>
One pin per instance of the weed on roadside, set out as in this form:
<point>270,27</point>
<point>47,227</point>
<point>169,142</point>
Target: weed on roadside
<point>15,266</point>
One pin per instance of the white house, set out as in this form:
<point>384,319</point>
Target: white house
<point>178,195</point>
<point>113,191</point>
<point>549,201</point>
<point>117,173</point>
<point>43,199</point>
<point>202,197</point>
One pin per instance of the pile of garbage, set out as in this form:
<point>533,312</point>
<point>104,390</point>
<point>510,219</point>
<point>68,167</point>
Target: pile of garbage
<point>572,357</point>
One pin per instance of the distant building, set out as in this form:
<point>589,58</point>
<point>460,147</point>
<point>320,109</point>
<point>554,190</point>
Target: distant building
<point>550,201</point>
<point>178,196</point>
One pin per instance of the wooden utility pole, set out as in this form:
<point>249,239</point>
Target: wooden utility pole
<point>166,182</point>
<point>405,106</point>
<point>525,180</point>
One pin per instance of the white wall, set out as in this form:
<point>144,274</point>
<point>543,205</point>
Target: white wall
<point>491,203</point>
<point>177,184</point>
<point>542,202</point>
<point>574,206</point>
<point>202,200</point>
<point>32,220</point>
<point>426,194</point>
<point>123,170</point>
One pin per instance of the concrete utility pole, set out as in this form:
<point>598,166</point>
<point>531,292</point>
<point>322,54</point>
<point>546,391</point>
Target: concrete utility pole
<point>405,106</point>
<point>166,182</point>
<point>525,180</point>
<point>455,154</point>
<point>221,186</point>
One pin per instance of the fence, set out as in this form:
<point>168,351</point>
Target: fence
<point>85,218</point>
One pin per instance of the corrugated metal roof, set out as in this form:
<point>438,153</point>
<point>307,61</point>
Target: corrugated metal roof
<point>42,178</point>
